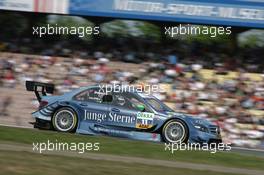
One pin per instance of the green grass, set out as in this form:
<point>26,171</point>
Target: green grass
<point>31,164</point>
<point>117,146</point>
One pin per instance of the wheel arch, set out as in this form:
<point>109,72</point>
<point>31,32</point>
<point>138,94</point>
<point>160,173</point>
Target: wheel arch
<point>175,118</point>
<point>66,105</point>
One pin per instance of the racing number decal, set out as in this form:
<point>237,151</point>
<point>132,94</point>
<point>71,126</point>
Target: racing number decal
<point>144,120</point>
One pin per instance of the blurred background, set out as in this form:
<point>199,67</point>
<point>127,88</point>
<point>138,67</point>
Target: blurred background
<point>221,78</point>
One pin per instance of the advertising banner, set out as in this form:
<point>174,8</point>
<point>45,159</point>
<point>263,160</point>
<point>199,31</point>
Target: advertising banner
<point>44,6</point>
<point>248,13</point>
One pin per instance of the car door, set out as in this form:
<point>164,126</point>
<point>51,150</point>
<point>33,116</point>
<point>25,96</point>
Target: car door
<point>123,111</point>
<point>92,107</point>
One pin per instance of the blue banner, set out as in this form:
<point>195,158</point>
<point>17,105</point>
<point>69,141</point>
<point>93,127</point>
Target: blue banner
<point>243,13</point>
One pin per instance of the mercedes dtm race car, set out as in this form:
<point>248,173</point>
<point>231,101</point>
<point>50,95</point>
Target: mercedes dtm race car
<point>132,115</point>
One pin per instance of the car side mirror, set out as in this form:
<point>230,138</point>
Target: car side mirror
<point>141,107</point>
<point>107,98</point>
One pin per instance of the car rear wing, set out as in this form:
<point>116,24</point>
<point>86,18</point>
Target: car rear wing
<point>38,88</point>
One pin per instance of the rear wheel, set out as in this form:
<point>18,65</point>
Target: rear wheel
<point>64,120</point>
<point>175,131</point>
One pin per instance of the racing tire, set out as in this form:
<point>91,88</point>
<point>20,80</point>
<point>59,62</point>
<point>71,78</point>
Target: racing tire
<point>175,131</point>
<point>64,120</point>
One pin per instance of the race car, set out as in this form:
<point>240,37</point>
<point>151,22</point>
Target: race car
<point>134,115</point>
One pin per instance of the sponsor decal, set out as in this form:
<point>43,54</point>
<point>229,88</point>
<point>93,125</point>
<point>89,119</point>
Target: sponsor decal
<point>111,131</point>
<point>145,115</point>
<point>113,117</point>
<point>144,120</point>
<point>94,116</point>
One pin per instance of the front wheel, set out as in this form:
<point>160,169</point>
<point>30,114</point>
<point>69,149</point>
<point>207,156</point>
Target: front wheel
<point>175,131</point>
<point>64,120</point>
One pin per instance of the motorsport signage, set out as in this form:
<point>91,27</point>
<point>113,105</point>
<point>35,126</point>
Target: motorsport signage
<point>244,13</point>
<point>248,13</point>
<point>43,6</point>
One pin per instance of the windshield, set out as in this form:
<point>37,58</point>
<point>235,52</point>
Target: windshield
<point>158,105</point>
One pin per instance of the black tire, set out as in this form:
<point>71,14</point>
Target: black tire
<point>65,120</point>
<point>175,131</point>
